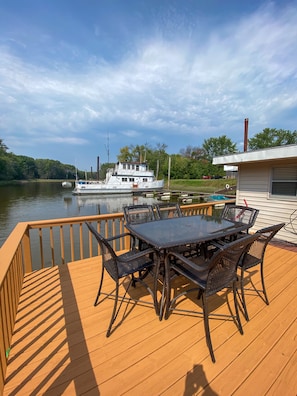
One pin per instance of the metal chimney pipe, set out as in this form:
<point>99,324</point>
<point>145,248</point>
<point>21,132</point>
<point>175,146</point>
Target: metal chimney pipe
<point>246,130</point>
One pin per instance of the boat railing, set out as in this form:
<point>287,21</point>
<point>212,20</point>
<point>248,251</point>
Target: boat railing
<point>35,245</point>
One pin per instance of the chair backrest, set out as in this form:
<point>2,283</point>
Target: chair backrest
<point>135,214</point>
<point>109,257</point>
<point>168,210</point>
<point>243,214</point>
<point>223,264</point>
<point>265,235</point>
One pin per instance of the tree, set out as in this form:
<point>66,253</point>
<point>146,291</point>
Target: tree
<point>134,153</point>
<point>214,147</point>
<point>27,168</point>
<point>3,147</point>
<point>271,137</point>
<point>145,153</point>
<point>192,152</point>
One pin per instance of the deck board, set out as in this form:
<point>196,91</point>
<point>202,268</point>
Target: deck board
<point>59,344</point>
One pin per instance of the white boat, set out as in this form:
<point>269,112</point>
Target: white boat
<point>124,178</point>
<point>66,184</point>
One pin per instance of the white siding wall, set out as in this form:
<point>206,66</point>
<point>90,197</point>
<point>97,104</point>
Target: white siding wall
<point>253,186</point>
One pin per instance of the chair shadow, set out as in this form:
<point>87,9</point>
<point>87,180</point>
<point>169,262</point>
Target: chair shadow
<point>196,381</point>
<point>225,297</point>
<point>133,297</point>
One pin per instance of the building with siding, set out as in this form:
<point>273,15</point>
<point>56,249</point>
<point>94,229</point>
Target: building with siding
<point>267,180</point>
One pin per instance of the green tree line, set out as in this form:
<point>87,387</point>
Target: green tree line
<point>191,162</point>
<point>20,167</point>
<point>196,162</point>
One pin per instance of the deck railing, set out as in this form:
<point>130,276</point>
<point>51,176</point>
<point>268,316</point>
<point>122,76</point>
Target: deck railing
<point>39,244</point>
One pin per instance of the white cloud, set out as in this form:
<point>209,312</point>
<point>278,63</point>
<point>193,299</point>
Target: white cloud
<point>198,89</point>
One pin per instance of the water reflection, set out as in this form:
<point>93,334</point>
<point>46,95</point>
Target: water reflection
<point>111,203</point>
<point>49,200</point>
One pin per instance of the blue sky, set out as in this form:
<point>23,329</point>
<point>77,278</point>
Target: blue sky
<point>79,77</point>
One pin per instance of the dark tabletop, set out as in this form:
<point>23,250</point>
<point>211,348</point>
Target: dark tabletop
<point>167,233</point>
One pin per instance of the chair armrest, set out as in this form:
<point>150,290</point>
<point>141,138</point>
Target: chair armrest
<point>120,236</point>
<point>136,255</point>
<point>125,234</point>
<point>196,265</point>
<point>218,243</point>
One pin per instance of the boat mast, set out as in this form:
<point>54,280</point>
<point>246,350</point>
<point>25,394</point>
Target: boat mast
<point>107,148</point>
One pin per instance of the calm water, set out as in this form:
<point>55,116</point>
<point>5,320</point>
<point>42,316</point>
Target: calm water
<point>42,201</point>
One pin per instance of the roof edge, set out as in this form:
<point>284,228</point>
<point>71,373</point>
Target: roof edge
<point>272,153</point>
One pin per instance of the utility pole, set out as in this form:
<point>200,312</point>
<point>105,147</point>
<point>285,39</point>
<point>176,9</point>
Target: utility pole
<point>169,170</point>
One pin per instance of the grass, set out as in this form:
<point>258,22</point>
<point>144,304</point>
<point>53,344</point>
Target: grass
<point>200,185</point>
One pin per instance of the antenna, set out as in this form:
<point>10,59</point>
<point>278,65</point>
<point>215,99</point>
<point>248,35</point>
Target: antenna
<point>107,148</point>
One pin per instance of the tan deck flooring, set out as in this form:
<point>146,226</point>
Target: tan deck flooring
<point>59,345</point>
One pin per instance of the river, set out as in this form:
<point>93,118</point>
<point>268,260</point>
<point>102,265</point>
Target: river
<point>48,200</point>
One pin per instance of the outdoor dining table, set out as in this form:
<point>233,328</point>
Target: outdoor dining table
<point>167,234</point>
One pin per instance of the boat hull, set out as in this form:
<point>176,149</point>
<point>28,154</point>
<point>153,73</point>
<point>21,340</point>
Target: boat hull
<point>103,190</point>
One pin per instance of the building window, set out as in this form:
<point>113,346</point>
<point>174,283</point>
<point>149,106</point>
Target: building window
<point>124,179</point>
<point>144,179</point>
<point>284,182</point>
<point>131,179</point>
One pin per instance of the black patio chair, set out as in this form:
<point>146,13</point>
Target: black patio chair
<point>254,257</point>
<point>243,214</point>
<point>135,214</point>
<point>121,266</point>
<point>167,210</point>
<point>141,213</point>
<point>291,226</point>
<point>209,277</point>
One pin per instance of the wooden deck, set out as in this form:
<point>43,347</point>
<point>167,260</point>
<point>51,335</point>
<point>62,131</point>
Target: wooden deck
<point>59,344</point>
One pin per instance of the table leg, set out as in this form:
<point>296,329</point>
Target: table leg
<point>160,306</point>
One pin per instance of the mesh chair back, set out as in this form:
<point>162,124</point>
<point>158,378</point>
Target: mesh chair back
<point>265,235</point>
<point>243,214</point>
<point>168,210</point>
<point>135,214</point>
<point>223,264</point>
<point>109,258</point>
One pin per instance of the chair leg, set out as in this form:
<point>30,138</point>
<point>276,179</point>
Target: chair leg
<point>155,287</point>
<point>134,279</point>
<point>236,308</point>
<point>206,327</point>
<point>114,312</point>
<point>100,286</point>
<point>243,302</point>
<point>263,285</point>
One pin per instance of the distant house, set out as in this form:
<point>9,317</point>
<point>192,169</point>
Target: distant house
<point>267,180</point>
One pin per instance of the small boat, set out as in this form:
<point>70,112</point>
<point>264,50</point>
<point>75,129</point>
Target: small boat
<point>217,198</point>
<point>124,178</point>
<point>187,200</point>
<point>66,184</point>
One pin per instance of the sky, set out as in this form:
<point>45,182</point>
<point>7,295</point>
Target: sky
<point>83,78</point>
